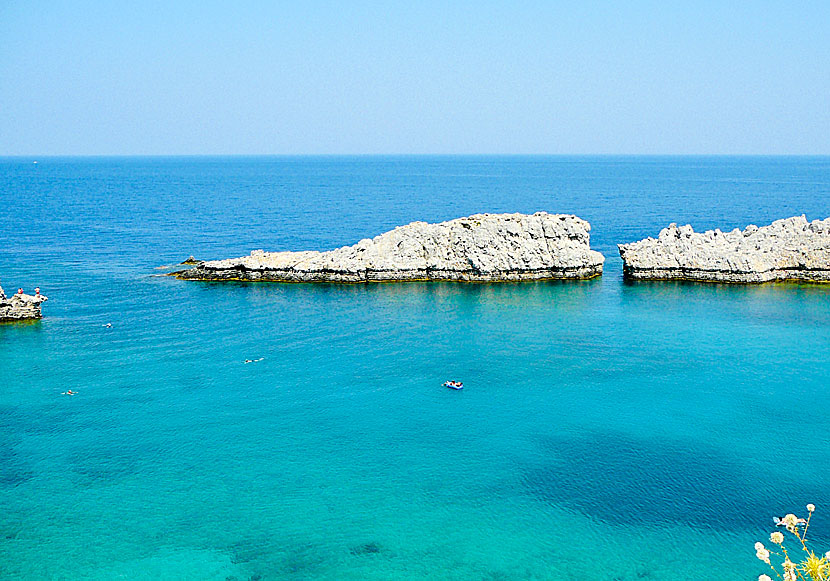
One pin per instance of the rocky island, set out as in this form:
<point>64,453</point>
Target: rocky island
<point>20,306</point>
<point>480,248</point>
<point>789,249</point>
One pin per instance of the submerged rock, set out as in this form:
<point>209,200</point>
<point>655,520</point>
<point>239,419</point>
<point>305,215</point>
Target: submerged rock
<point>366,549</point>
<point>482,247</point>
<point>20,306</point>
<point>788,249</point>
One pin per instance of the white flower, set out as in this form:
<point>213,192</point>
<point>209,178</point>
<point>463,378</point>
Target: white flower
<point>776,538</point>
<point>764,578</point>
<point>827,555</point>
<point>811,507</point>
<point>763,555</point>
<point>790,521</point>
<point>759,546</point>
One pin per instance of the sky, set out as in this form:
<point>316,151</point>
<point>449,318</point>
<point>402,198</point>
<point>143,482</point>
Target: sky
<point>315,77</point>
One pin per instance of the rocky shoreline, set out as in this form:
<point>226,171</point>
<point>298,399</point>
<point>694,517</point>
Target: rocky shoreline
<point>477,248</point>
<point>516,247</point>
<point>791,249</point>
<point>20,306</point>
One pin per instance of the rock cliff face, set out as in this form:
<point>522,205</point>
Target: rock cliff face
<point>20,307</point>
<point>483,247</point>
<point>789,249</point>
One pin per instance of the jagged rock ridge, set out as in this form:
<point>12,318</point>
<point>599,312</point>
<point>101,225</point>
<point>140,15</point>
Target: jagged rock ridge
<point>482,247</point>
<point>788,249</point>
<point>20,306</point>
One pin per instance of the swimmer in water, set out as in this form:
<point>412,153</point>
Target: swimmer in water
<point>780,522</point>
<point>108,325</point>
<point>70,392</point>
<point>254,360</point>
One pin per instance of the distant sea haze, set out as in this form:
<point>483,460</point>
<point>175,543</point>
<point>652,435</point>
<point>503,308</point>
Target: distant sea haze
<point>606,430</point>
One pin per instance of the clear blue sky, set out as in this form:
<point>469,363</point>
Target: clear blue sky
<point>247,77</point>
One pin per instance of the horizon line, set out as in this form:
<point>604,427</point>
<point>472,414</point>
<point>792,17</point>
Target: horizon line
<point>413,155</point>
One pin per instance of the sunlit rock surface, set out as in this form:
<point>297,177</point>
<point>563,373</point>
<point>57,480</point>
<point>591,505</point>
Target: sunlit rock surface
<point>482,247</point>
<point>20,306</point>
<point>788,249</point>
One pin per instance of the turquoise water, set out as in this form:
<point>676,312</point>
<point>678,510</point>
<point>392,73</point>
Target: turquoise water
<point>608,431</point>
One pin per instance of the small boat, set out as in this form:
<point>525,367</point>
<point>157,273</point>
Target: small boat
<point>453,384</point>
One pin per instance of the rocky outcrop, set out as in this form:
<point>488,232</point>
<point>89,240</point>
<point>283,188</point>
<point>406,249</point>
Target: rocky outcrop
<point>789,249</point>
<point>20,306</point>
<point>483,247</point>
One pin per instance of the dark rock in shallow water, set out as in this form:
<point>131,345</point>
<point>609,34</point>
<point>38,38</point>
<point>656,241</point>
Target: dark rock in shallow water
<point>191,260</point>
<point>481,248</point>
<point>366,549</point>
<point>301,561</point>
<point>623,480</point>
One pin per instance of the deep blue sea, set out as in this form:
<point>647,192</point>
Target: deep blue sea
<point>607,431</point>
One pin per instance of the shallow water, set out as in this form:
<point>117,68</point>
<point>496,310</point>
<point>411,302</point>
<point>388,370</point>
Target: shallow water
<point>607,431</point>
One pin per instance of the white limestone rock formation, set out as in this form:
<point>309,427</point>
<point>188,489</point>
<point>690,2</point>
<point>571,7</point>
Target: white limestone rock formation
<point>20,306</point>
<point>482,247</point>
<point>788,249</point>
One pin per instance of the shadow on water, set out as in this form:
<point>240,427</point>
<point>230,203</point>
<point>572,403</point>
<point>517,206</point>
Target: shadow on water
<point>762,289</point>
<point>776,304</point>
<point>688,294</point>
<point>521,293</point>
<point>625,480</point>
<point>22,324</point>
<point>17,330</point>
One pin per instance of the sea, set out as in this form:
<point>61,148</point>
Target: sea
<point>607,430</point>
